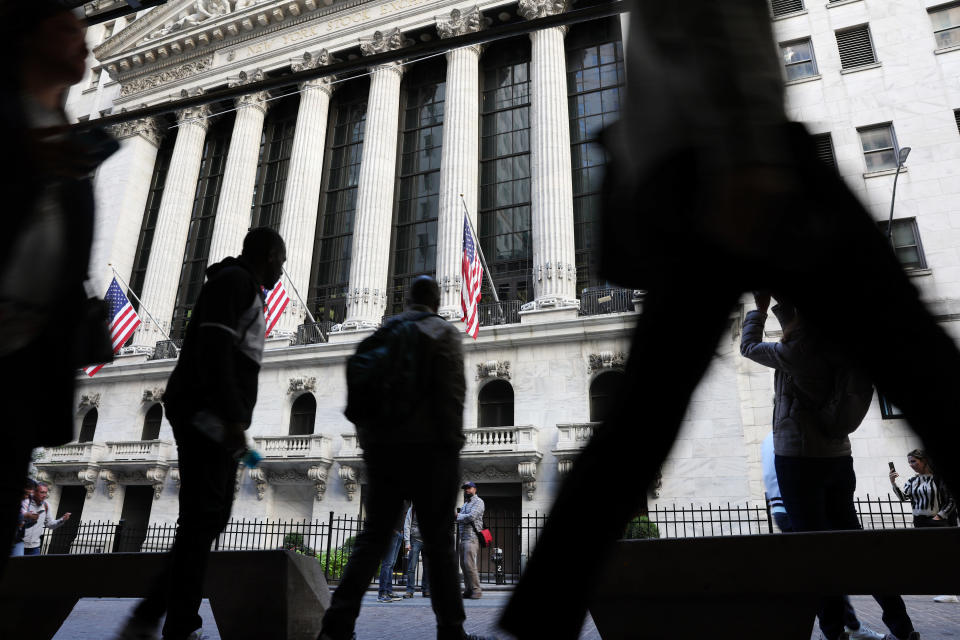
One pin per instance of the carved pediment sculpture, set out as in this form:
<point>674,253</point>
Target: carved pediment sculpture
<point>494,369</point>
<point>193,14</point>
<point>607,360</point>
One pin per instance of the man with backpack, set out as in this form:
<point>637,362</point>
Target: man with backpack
<point>405,392</point>
<point>818,402</point>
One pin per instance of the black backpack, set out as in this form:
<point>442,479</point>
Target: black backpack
<point>838,412</point>
<point>382,375</point>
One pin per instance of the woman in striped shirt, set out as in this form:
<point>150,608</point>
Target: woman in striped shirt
<point>933,506</point>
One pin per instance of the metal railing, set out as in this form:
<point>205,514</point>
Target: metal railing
<point>312,333</point>
<point>491,314</point>
<point>166,349</point>
<point>331,541</point>
<point>595,302</point>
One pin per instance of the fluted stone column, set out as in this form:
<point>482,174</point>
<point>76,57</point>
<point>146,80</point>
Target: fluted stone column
<point>173,222</point>
<point>121,190</point>
<point>239,173</point>
<point>370,264</point>
<point>554,251</point>
<point>301,196</point>
<point>460,160</point>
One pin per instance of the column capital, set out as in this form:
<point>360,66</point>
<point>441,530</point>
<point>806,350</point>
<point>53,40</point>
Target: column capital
<point>311,61</point>
<point>532,9</point>
<point>198,116</point>
<point>383,41</point>
<point>459,22</point>
<point>146,128</point>
<point>258,99</point>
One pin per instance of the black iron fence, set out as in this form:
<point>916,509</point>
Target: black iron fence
<point>491,313</point>
<point>606,300</point>
<point>312,333</point>
<point>331,541</point>
<point>166,349</point>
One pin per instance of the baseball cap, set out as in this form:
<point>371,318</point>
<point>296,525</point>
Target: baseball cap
<point>468,484</point>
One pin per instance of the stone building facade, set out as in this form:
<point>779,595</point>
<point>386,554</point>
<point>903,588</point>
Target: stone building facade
<point>368,179</point>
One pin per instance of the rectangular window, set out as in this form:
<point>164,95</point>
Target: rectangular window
<point>824,144</point>
<point>879,147</point>
<point>798,60</point>
<point>906,243</point>
<point>418,187</point>
<point>276,143</point>
<point>856,47</point>
<point>888,411</point>
<point>946,25</point>
<point>956,117</point>
<point>595,84</point>
<point>785,7</point>
<point>330,273</point>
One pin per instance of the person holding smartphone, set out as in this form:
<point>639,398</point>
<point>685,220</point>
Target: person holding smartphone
<point>932,504</point>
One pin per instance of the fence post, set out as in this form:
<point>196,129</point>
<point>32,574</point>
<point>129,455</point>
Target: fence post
<point>116,535</point>
<point>766,501</point>
<point>326,562</point>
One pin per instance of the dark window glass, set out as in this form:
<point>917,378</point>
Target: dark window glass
<point>205,201</point>
<point>603,391</point>
<point>275,145</point>
<point>495,405</point>
<point>415,221</point>
<point>798,60</point>
<point>330,274</point>
<point>303,415</point>
<point>151,423</point>
<point>880,149</point>
<point>946,25</point>
<point>505,169</point>
<point>88,427</point>
<point>149,224</point>
<point>888,411</point>
<point>595,85</point>
<point>906,243</point>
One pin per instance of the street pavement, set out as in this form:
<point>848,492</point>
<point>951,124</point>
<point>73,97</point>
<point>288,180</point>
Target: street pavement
<point>98,618</point>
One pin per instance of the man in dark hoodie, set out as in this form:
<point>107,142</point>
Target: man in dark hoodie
<point>428,440</point>
<point>213,388</point>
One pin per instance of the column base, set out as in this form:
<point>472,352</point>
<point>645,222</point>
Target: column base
<point>351,331</point>
<point>451,314</point>
<point>537,313</point>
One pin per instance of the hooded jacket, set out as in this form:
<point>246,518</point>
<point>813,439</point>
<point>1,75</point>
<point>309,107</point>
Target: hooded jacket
<point>794,359</point>
<point>220,360</point>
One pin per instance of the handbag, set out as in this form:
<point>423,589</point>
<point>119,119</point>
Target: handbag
<point>484,537</point>
<point>93,343</point>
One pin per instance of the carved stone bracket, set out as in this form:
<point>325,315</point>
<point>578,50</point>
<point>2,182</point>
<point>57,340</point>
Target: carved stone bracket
<point>564,465</point>
<point>460,23</point>
<point>110,481</point>
<point>300,385</point>
<point>348,476</point>
<point>175,478</point>
<point>259,476</point>
<point>89,400</point>
<point>493,369</point>
<point>383,41</point>
<point>528,476</point>
<point>88,478</point>
<point>532,9</point>
<point>607,360</point>
<point>237,480</point>
<point>152,395</point>
<point>654,489</point>
<point>319,476</point>
<point>157,476</point>
<point>44,476</point>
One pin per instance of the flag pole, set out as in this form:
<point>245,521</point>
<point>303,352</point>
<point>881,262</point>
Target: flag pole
<point>483,260</point>
<point>143,306</point>
<point>294,287</point>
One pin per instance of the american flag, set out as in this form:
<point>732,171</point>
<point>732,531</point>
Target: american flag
<point>472,277</point>
<point>277,300</point>
<point>123,321</point>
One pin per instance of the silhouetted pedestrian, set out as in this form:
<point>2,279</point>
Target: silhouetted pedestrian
<point>413,543</point>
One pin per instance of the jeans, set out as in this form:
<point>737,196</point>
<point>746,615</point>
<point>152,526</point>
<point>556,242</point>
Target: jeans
<point>207,479</point>
<point>31,551</point>
<point>469,550</point>
<point>818,496</point>
<point>432,484</point>
<point>17,549</point>
<point>386,564</point>
<point>413,559</point>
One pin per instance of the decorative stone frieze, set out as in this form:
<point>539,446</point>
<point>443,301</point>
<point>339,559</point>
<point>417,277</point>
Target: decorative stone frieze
<point>493,369</point>
<point>460,23</point>
<point>89,400</point>
<point>607,360</point>
<point>301,385</point>
<point>348,476</point>
<point>157,476</point>
<point>88,479</point>
<point>152,395</point>
<point>110,481</point>
<point>166,76</point>
<point>259,477</point>
<point>318,474</point>
<point>146,128</point>
<point>528,476</point>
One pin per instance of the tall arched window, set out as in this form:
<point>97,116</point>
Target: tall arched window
<point>303,415</point>
<point>603,391</point>
<point>88,426</point>
<point>151,423</point>
<point>496,405</point>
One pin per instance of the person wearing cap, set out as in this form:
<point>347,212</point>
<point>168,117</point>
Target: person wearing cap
<point>469,522</point>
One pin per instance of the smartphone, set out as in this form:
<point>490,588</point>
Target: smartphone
<point>890,464</point>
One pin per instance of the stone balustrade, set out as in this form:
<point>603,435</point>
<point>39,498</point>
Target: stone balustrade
<point>513,439</point>
<point>293,447</point>
<point>149,451</point>
<point>75,453</point>
<point>573,437</point>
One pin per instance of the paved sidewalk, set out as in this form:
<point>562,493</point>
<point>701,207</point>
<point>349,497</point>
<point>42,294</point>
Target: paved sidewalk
<point>98,619</point>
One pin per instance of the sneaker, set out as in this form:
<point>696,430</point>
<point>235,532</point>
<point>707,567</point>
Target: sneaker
<point>426,594</point>
<point>139,629</point>
<point>863,633</point>
<point>407,594</point>
<point>476,595</point>
<point>394,597</point>
<point>946,599</point>
<point>384,598</point>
